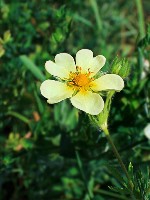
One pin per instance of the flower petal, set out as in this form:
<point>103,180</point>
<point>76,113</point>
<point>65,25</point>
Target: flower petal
<point>89,102</point>
<point>96,64</point>
<point>147,131</point>
<point>55,91</point>
<point>57,70</point>
<point>108,82</point>
<point>83,59</point>
<point>65,60</point>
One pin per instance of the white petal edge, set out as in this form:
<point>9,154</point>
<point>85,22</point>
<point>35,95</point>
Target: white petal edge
<point>55,91</point>
<point>108,82</point>
<point>147,131</point>
<point>96,64</point>
<point>88,102</point>
<point>57,70</point>
<point>83,59</point>
<point>65,60</point>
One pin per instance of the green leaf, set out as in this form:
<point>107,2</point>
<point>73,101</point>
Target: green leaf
<point>83,20</point>
<point>27,144</point>
<point>32,67</point>
<point>120,190</point>
<point>116,174</point>
<point>146,40</point>
<point>19,116</point>
<point>130,170</point>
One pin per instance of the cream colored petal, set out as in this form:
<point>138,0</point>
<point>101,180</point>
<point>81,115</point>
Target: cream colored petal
<point>55,91</point>
<point>147,131</point>
<point>88,102</point>
<point>65,60</point>
<point>96,64</point>
<point>108,82</point>
<point>83,59</point>
<point>57,70</point>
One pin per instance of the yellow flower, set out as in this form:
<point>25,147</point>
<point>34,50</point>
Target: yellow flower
<point>76,81</point>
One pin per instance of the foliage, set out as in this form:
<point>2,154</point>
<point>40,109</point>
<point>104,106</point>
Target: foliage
<point>39,143</point>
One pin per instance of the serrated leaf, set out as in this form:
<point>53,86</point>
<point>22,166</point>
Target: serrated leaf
<point>130,170</point>
<point>116,174</point>
<point>119,190</point>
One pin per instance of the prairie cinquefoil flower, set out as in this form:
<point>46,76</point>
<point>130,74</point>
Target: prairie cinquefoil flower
<point>76,81</point>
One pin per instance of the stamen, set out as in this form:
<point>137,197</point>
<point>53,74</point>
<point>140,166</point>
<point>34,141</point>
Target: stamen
<point>80,81</point>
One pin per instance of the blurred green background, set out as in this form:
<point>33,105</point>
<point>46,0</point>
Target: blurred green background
<point>39,142</point>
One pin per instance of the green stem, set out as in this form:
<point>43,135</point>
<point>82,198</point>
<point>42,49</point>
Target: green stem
<point>116,153</point>
<point>141,18</point>
<point>120,161</point>
<point>103,116</point>
<point>89,192</point>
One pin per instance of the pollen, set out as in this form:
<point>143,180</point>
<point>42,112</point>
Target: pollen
<point>79,80</point>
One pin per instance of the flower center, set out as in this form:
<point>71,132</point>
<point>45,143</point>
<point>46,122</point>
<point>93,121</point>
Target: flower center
<point>80,81</point>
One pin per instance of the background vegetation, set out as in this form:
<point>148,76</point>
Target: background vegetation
<point>40,144</point>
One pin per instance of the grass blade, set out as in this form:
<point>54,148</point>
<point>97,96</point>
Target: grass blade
<point>32,67</point>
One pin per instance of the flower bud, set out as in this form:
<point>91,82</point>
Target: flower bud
<point>120,67</point>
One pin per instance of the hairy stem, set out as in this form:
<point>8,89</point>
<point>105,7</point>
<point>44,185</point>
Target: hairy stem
<point>116,153</point>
